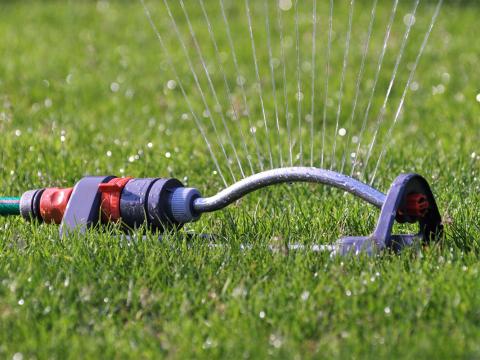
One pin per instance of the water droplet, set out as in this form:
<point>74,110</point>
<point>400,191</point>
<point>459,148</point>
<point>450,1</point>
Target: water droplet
<point>387,310</point>
<point>114,86</point>
<point>478,97</point>
<point>105,300</point>
<point>21,302</point>
<point>171,84</point>
<point>473,155</point>
<point>276,341</point>
<point>342,132</point>
<point>253,129</point>
<point>184,116</point>
<point>69,79</point>
<point>129,93</point>
<point>131,158</point>
<point>48,102</point>
<point>102,5</point>
<point>409,20</point>
<point>439,89</point>
<point>121,170</point>
<point>353,155</point>
<point>109,153</point>
<point>348,293</point>
<point>285,5</point>
<point>62,138</point>
<point>414,86</point>
<point>17,356</point>
<point>299,96</point>
<point>168,155</point>
<point>305,295</point>
<point>150,145</point>
<point>355,139</point>
<point>262,314</point>
<point>18,132</point>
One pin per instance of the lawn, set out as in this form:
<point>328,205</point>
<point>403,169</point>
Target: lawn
<point>86,88</point>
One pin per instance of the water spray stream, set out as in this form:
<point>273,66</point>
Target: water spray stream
<point>241,83</point>
<point>358,82</point>
<point>259,83</point>
<point>314,52</point>
<point>182,89</point>
<point>327,76</point>
<point>227,87</point>
<point>390,85</point>
<point>274,87</point>
<point>342,81</point>
<point>377,76</point>
<point>407,86</point>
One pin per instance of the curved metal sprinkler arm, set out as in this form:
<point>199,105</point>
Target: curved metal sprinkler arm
<point>287,175</point>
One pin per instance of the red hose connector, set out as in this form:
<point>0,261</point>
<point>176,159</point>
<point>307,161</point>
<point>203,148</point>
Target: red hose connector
<point>111,192</point>
<point>53,204</point>
<point>416,205</point>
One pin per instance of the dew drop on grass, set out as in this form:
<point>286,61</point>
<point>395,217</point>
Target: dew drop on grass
<point>262,314</point>
<point>414,86</point>
<point>168,155</point>
<point>305,295</point>
<point>478,97</point>
<point>48,102</point>
<point>285,5</point>
<point>150,145</point>
<point>21,302</point>
<point>17,356</point>
<point>114,87</point>
<point>342,132</point>
<point>18,132</point>
<point>387,310</point>
<point>109,153</point>
<point>348,293</point>
<point>171,84</point>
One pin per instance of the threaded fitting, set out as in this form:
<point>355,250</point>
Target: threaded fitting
<point>182,204</point>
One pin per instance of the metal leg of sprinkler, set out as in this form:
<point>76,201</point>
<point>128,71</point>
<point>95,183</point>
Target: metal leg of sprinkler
<point>161,204</point>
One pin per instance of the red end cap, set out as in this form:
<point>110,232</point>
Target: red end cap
<point>53,203</point>
<point>111,193</point>
<point>416,205</point>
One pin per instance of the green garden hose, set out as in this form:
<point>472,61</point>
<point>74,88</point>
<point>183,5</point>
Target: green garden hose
<point>9,206</point>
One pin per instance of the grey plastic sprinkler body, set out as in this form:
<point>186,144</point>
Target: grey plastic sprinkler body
<point>163,204</point>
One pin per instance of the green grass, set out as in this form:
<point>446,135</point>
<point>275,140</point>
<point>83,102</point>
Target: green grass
<point>100,296</point>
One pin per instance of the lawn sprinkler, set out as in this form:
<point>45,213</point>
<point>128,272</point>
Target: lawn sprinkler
<point>163,204</point>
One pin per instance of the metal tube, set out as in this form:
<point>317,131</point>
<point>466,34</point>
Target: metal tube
<point>286,175</point>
